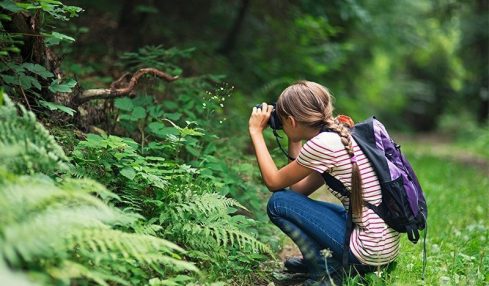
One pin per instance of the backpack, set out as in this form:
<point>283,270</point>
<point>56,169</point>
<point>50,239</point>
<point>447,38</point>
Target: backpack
<point>403,205</point>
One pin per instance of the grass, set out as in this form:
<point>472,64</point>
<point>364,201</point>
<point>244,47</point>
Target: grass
<point>458,227</point>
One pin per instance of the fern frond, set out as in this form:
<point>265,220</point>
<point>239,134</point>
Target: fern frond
<point>26,146</point>
<point>145,249</point>
<point>204,204</point>
<point>70,270</point>
<point>70,233</point>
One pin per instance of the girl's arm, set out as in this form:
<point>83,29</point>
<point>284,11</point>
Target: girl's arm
<point>274,179</point>
<point>310,183</point>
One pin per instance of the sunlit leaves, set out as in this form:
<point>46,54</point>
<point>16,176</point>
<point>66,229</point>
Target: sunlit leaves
<point>58,86</point>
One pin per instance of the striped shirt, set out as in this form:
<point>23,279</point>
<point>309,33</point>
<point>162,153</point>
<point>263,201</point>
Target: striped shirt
<point>372,241</point>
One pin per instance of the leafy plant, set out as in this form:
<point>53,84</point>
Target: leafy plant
<point>172,195</point>
<point>29,76</point>
<point>26,147</point>
<point>156,57</point>
<point>65,230</point>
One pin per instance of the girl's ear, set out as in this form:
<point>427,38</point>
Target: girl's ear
<point>292,121</point>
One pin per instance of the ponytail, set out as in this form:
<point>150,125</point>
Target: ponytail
<point>356,197</point>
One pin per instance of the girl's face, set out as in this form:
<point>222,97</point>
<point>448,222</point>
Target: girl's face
<point>291,128</point>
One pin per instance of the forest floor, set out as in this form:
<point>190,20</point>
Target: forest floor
<point>421,146</point>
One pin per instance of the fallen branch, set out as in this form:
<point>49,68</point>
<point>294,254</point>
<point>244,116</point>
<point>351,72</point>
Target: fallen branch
<point>114,91</point>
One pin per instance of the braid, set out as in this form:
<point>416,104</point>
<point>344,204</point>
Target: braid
<point>356,197</point>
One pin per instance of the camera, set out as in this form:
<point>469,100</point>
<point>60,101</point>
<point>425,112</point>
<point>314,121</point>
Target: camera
<point>274,121</point>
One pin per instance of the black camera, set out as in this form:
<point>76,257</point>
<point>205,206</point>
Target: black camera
<point>274,121</point>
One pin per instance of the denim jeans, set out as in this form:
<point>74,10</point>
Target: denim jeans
<point>313,226</point>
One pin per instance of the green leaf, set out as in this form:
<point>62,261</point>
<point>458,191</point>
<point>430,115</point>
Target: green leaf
<point>54,106</point>
<point>38,69</point>
<point>124,103</point>
<point>173,116</point>
<point>138,113</point>
<point>10,80</point>
<point>55,38</point>
<point>4,17</point>
<point>56,86</point>
<point>191,132</point>
<point>10,6</point>
<point>26,81</point>
<point>160,130</point>
<point>170,105</point>
<point>129,173</point>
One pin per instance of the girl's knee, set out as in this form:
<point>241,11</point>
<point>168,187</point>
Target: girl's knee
<point>274,201</point>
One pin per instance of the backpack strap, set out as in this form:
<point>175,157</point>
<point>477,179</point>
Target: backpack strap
<point>335,184</point>
<point>338,186</point>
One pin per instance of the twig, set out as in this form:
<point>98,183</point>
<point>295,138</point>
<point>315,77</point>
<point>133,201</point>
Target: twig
<point>117,83</point>
<point>91,94</point>
<point>25,97</point>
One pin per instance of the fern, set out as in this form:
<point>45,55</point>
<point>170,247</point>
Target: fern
<point>25,145</point>
<point>203,222</point>
<point>37,226</point>
<point>64,230</point>
<point>205,204</point>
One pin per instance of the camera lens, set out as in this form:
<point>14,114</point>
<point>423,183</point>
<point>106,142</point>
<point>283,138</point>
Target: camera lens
<point>274,121</point>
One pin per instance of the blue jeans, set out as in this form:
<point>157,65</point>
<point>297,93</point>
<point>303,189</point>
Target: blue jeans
<point>313,226</point>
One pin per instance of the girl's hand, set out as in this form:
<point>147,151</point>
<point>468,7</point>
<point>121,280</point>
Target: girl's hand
<point>259,118</point>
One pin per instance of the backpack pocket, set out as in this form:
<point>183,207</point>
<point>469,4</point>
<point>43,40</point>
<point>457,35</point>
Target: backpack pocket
<point>394,208</point>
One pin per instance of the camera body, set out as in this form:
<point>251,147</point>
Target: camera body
<point>274,121</point>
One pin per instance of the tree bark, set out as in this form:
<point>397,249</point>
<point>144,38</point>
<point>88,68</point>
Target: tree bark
<point>229,43</point>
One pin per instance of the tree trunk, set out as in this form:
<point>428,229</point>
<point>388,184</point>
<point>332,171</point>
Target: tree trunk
<point>230,42</point>
<point>130,25</point>
<point>34,50</point>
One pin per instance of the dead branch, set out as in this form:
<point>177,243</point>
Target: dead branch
<point>105,93</point>
<point>123,80</point>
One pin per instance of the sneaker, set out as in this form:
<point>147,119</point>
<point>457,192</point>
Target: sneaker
<point>295,264</point>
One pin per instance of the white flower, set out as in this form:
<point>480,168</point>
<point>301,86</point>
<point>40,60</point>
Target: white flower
<point>326,252</point>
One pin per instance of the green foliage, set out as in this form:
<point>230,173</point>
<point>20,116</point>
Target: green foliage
<point>65,231</point>
<point>156,57</point>
<point>173,195</point>
<point>26,147</point>
<point>66,234</point>
<point>18,75</point>
<point>465,130</point>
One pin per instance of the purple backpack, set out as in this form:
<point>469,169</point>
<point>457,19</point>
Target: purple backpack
<point>403,205</point>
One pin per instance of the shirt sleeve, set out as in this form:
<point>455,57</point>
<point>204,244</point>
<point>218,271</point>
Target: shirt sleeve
<point>315,156</point>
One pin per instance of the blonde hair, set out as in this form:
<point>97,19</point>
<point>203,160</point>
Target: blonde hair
<point>310,104</point>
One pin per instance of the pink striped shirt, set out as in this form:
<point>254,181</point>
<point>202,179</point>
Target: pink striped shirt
<point>372,241</point>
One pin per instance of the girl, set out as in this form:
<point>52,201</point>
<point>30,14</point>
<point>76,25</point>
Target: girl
<point>305,110</point>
